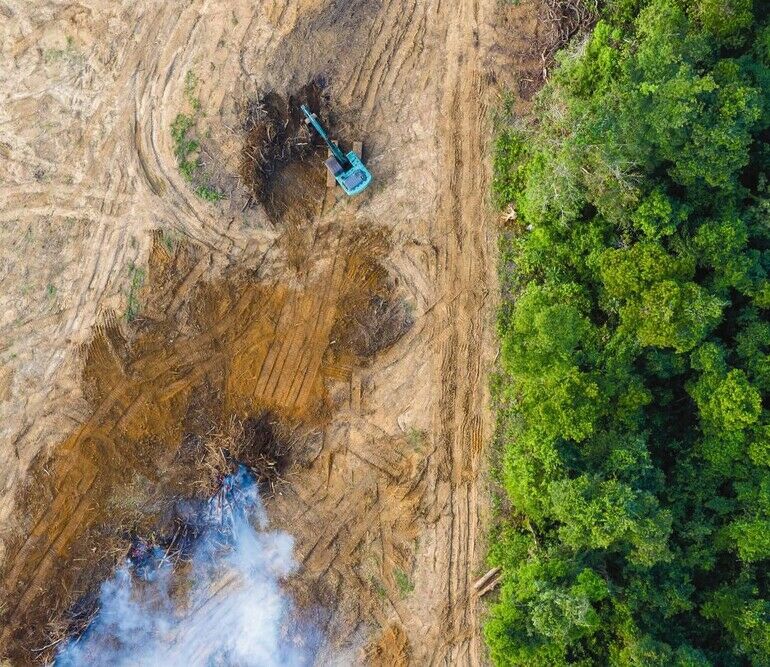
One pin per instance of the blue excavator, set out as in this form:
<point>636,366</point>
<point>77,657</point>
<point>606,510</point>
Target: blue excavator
<point>348,170</point>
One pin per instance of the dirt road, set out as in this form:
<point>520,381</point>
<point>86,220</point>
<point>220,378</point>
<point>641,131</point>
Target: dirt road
<point>389,513</point>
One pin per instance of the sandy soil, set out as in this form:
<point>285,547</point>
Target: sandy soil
<point>240,311</point>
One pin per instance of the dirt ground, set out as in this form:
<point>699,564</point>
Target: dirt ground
<point>136,316</point>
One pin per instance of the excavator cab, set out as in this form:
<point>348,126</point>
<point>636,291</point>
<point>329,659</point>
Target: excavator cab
<point>348,169</point>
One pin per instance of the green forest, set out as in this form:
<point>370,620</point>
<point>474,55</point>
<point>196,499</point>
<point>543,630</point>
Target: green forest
<point>633,397</point>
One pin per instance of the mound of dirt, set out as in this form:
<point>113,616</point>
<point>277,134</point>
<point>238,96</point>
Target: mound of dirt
<point>376,326</point>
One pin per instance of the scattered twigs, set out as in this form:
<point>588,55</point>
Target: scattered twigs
<point>562,20</point>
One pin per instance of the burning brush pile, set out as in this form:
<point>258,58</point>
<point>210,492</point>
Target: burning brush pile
<point>210,592</point>
<point>260,443</point>
<point>222,605</point>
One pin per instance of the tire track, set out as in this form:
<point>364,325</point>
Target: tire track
<point>466,265</point>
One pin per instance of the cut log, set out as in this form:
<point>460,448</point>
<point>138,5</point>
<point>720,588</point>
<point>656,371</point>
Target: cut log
<point>483,581</point>
<point>490,586</point>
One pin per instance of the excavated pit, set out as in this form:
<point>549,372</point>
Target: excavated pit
<point>281,158</point>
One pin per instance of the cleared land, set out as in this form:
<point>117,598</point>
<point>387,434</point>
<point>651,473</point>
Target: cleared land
<point>136,317</point>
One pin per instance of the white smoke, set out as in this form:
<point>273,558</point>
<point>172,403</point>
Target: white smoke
<point>226,609</point>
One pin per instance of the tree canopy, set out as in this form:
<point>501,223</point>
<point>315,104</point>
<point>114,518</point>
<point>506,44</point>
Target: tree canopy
<point>634,421</point>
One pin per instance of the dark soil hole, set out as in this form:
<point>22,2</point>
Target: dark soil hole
<point>281,157</point>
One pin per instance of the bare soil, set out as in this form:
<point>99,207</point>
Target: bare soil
<point>138,321</point>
